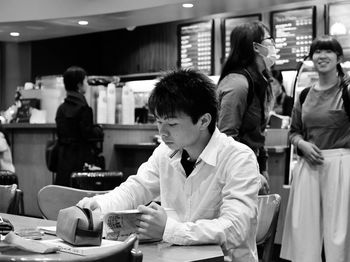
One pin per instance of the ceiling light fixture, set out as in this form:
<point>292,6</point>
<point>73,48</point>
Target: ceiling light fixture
<point>15,34</point>
<point>83,22</point>
<point>187,5</point>
<point>131,28</point>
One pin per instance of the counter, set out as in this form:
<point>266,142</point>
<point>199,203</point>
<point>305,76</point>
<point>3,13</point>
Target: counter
<point>28,143</point>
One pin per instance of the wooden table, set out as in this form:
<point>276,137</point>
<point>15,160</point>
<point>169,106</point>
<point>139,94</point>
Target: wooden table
<point>155,252</point>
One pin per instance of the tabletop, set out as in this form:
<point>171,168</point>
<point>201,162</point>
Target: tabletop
<point>155,252</point>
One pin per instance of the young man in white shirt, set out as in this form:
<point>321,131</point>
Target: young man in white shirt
<point>208,178</point>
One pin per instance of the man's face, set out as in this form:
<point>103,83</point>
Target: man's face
<point>178,132</point>
<point>83,86</point>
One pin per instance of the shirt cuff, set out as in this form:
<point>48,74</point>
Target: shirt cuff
<point>169,232</point>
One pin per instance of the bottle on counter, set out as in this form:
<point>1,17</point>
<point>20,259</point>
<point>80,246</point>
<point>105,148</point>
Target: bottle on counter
<point>111,103</point>
<point>128,105</point>
<point>102,105</point>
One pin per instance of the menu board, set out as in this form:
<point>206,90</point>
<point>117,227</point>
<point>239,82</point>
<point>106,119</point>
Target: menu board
<point>339,25</point>
<point>293,31</point>
<point>230,23</point>
<point>196,46</point>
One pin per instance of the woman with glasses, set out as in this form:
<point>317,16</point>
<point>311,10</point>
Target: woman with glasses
<point>245,95</point>
<point>317,215</point>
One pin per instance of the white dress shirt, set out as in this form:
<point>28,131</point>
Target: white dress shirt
<point>216,203</point>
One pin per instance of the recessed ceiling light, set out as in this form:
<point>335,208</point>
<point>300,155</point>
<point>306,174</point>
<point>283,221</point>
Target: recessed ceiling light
<point>187,5</point>
<point>14,34</point>
<point>131,28</point>
<point>83,22</point>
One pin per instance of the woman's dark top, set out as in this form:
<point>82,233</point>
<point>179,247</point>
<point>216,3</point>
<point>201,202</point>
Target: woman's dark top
<point>245,123</point>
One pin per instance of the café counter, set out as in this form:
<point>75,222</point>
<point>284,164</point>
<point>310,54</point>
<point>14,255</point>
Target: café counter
<point>28,143</point>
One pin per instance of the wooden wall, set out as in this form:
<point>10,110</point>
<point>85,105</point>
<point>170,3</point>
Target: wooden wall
<point>15,70</point>
<point>145,49</point>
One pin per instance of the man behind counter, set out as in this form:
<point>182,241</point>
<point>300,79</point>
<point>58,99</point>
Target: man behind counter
<point>208,178</point>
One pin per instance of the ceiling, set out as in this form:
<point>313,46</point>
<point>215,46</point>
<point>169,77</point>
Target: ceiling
<point>44,19</point>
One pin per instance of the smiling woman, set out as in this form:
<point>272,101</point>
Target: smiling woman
<point>317,212</point>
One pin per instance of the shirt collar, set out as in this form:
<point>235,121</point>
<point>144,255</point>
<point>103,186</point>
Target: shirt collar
<point>210,152</point>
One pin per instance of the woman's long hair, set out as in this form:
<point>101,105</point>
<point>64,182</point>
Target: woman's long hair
<point>242,54</point>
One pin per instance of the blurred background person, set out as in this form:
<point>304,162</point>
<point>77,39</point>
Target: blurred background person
<point>319,202</point>
<point>283,103</point>
<point>76,132</point>
<point>245,95</point>
<point>5,151</point>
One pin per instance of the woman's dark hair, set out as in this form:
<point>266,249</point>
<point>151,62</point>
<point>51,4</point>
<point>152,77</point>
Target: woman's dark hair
<point>277,74</point>
<point>185,91</point>
<point>327,42</point>
<point>73,76</point>
<point>242,52</point>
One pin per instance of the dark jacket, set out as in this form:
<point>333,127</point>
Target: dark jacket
<point>77,136</point>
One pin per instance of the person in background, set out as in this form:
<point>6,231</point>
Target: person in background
<point>319,202</point>
<point>208,178</point>
<point>245,96</point>
<point>5,151</point>
<point>283,103</point>
<point>77,135</point>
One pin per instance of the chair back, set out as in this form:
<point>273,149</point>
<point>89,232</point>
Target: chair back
<point>17,205</point>
<point>268,210</point>
<point>7,196</point>
<point>125,252</point>
<point>53,198</point>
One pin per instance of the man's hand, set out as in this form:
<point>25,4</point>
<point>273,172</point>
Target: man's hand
<point>152,221</point>
<point>311,153</point>
<point>90,203</point>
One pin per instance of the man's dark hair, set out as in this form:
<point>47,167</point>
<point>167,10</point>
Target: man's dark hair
<point>185,91</point>
<point>72,77</point>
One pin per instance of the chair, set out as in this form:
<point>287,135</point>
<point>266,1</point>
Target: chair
<point>268,211</point>
<point>11,198</point>
<point>53,198</point>
<point>97,180</point>
<point>7,196</point>
<point>124,252</point>
<point>17,205</point>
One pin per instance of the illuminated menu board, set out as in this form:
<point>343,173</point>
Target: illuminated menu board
<point>232,22</point>
<point>339,25</point>
<point>293,31</point>
<point>196,46</point>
